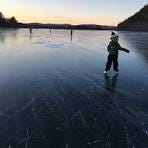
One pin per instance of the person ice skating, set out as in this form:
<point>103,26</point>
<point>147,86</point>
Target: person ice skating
<point>113,49</point>
<point>30,29</point>
<point>71,34</point>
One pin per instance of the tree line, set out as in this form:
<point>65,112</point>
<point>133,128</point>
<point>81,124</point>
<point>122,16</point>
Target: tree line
<point>8,22</point>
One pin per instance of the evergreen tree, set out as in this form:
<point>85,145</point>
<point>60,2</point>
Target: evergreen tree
<point>13,22</point>
<point>7,22</point>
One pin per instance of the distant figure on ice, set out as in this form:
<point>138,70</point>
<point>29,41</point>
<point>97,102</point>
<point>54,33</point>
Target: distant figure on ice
<point>30,29</point>
<point>71,34</point>
<point>113,48</point>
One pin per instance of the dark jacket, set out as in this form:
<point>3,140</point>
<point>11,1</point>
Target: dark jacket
<point>113,48</point>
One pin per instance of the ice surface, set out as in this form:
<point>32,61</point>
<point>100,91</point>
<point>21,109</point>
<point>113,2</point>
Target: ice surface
<point>53,92</point>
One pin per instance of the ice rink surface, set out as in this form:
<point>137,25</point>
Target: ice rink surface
<point>53,93</point>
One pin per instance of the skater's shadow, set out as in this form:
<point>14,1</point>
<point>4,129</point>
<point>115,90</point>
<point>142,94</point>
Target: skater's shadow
<point>111,82</point>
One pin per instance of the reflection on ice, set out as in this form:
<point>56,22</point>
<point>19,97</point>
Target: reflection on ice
<point>110,82</point>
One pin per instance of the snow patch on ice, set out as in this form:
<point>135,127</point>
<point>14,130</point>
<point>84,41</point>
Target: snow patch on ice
<point>54,45</point>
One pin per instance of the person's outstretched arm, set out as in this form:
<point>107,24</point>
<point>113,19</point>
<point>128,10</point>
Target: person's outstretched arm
<point>123,49</point>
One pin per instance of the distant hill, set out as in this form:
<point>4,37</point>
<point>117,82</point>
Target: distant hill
<point>137,22</point>
<point>68,26</point>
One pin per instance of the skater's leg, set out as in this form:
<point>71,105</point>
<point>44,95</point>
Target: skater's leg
<point>115,63</point>
<point>109,63</point>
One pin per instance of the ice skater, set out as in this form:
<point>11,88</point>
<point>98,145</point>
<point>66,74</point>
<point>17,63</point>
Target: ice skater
<point>113,49</point>
<point>30,29</point>
<point>71,34</point>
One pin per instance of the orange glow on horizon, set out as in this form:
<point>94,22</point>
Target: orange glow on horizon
<point>63,20</point>
<point>26,17</point>
<point>71,12</point>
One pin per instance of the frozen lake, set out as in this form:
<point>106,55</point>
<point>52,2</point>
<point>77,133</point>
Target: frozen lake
<point>53,93</point>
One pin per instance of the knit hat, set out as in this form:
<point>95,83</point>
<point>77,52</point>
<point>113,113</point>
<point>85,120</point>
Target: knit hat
<point>114,36</point>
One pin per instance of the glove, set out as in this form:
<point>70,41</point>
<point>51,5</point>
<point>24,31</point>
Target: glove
<point>128,51</point>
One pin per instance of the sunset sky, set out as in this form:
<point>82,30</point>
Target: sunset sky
<point>105,12</point>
